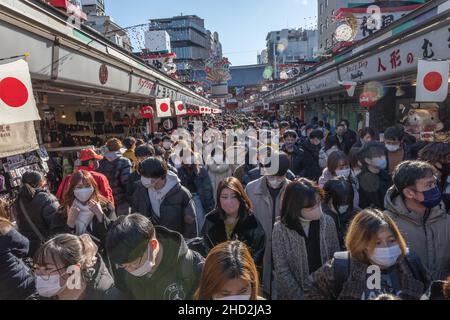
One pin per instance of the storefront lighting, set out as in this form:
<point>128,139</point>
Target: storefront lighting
<point>63,116</point>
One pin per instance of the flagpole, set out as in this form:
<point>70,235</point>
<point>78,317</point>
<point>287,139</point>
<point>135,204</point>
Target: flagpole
<point>25,55</point>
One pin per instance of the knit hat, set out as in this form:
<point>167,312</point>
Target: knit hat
<point>33,178</point>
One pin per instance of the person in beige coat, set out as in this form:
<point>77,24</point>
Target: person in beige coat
<point>266,194</point>
<point>415,204</point>
<point>303,240</point>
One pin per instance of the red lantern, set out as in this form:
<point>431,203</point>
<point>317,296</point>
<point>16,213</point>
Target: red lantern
<point>147,112</point>
<point>367,99</point>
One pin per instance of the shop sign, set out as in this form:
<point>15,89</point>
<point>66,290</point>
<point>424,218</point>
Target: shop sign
<point>103,74</point>
<point>368,99</point>
<point>147,112</point>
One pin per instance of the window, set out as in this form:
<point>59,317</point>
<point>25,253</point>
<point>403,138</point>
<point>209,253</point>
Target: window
<point>321,8</point>
<point>327,44</point>
<point>326,23</point>
<point>326,3</point>
<point>278,38</point>
<point>321,28</point>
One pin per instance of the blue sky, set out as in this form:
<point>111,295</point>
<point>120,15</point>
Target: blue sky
<point>242,24</point>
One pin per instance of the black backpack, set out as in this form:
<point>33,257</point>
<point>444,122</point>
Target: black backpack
<point>341,267</point>
<point>189,271</point>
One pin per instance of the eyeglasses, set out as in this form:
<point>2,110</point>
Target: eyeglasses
<point>46,273</point>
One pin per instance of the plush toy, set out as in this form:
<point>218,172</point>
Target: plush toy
<point>423,120</point>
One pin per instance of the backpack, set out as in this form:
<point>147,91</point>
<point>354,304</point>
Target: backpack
<point>189,271</point>
<point>341,268</point>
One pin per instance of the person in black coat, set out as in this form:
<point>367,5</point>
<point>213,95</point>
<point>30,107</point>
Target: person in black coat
<point>54,259</point>
<point>338,204</point>
<point>346,137</point>
<point>16,279</point>
<point>117,169</point>
<point>293,151</point>
<point>233,220</point>
<point>35,209</point>
<point>84,210</point>
<point>309,155</point>
<point>374,180</point>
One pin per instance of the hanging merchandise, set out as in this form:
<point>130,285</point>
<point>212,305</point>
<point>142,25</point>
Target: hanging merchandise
<point>17,103</point>
<point>17,138</point>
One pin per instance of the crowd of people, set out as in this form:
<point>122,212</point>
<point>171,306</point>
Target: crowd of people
<point>138,222</point>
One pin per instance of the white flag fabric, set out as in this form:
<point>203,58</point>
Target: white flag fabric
<point>432,81</point>
<point>350,86</point>
<point>17,102</point>
<point>180,109</point>
<point>163,108</point>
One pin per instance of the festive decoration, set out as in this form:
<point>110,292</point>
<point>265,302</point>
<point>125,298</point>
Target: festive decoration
<point>180,109</point>
<point>350,86</point>
<point>432,81</point>
<point>147,112</point>
<point>163,108</point>
<point>218,69</point>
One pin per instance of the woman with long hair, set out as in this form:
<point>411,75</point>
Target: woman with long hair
<point>229,273</point>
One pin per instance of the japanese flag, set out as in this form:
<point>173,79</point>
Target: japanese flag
<point>432,81</point>
<point>17,102</point>
<point>350,86</point>
<point>203,110</point>
<point>180,109</point>
<point>163,108</point>
<point>207,110</point>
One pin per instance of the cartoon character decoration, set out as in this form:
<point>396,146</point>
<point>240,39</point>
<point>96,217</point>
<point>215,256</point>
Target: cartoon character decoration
<point>424,122</point>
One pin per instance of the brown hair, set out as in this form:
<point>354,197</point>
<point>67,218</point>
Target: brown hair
<point>435,152</point>
<point>236,186</point>
<point>114,144</point>
<point>334,159</point>
<point>5,223</point>
<point>78,177</point>
<point>227,261</point>
<point>361,237</point>
<point>446,288</point>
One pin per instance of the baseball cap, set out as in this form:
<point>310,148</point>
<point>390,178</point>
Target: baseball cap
<point>89,154</point>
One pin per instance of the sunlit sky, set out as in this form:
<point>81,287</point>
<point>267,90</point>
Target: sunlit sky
<point>242,24</point>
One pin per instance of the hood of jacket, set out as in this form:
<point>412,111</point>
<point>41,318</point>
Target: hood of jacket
<point>394,203</point>
<point>112,155</point>
<point>172,180</point>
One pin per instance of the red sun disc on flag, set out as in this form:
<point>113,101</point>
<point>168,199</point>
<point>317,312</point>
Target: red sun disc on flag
<point>180,107</point>
<point>13,92</point>
<point>432,81</point>
<point>164,107</point>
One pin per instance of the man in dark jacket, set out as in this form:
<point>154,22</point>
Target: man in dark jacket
<point>292,150</point>
<point>117,169</point>
<point>309,155</point>
<point>157,262</point>
<point>346,137</point>
<point>161,197</point>
<point>397,151</point>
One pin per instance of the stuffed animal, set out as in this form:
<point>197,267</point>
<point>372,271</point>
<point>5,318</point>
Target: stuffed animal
<point>420,120</point>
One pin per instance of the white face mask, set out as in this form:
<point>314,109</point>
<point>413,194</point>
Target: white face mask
<point>314,215</point>
<point>167,145</point>
<point>343,173</point>
<point>274,183</point>
<point>83,194</point>
<point>386,257</point>
<point>147,182</point>
<point>145,268</point>
<point>343,209</point>
<point>392,147</point>
<point>49,288</point>
<point>237,297</point>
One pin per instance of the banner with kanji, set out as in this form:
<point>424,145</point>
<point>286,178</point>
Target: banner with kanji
<point>17,138</point>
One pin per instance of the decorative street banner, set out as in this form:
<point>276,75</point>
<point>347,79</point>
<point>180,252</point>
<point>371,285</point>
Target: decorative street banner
<point>147,112</point>
<point>180,109</point>
<point>17,138</point>
<point>163,108</point>
<point>350,86</point>
<point>432,81</point>
<point>17,102</point>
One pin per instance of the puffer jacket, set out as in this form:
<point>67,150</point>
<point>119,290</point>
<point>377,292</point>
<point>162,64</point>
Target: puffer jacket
<point>248,230</point>
<point>295,158</point>
<point>427,235</point>
<point>16,279</point>
<point>118,172</point>
<point>202,183</point>
<point>290,257</point>
<point>309,166</point>
<point>41,209</point>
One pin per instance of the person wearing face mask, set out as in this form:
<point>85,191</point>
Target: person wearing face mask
<point>374,180</point>
<point>292,150</point>
<point>438,154</point>
<point>130,145</point>
<point>156,262</point>
<point>265,194</point>
<point>218,169</point>
<point>331,145</point>
<point>68,267</point>
<point>415,203</point>
<point>161,197</point>
<point>167,145</point>
<point>337,166</point>
<point>397,151</point>
<point>117,169</point>
<point>16,280</point>
<point>35,209</point>
<point>142,152</point>
<point>309,155</point>
<point>338,204</point>
<point>89,162</point>
<point>84,210</point>
<point>233,219</point>
<point>229,273</point>
<point>303,240</point>
<point>373,240</point>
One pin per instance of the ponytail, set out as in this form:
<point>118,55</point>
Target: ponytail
<point>90,250</point>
